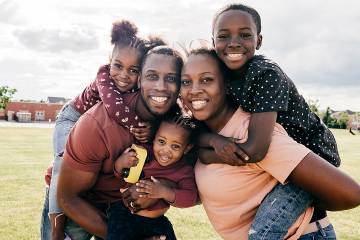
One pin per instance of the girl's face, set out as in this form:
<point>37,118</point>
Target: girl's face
<point>235,38</point>
<point>202,87</point>
<point>170,143</point>
<point>159,87</point>
<point>124,67</point>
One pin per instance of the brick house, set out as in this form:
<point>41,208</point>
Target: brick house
<point>27,111</point>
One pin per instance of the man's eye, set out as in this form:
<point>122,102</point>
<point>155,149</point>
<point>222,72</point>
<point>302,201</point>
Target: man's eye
<point>171,78</point>
<point>151,76</point>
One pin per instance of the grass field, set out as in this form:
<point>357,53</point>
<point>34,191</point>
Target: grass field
<point>25,154</point>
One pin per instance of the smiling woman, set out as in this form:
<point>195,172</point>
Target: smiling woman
<point>231,194</point>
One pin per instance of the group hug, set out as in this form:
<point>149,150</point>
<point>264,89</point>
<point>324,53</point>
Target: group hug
<point>221,126</point>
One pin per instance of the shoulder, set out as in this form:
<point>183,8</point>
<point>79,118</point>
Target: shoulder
<point>104,69</point>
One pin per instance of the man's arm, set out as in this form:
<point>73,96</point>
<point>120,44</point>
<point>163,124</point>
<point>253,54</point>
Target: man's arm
<point>72,183</point>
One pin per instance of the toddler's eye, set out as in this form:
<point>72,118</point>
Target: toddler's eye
<point>175,147</point>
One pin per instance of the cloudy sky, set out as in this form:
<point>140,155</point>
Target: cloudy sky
<point>54,47</point>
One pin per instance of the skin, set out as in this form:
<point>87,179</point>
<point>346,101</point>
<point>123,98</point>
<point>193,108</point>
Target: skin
<point>235,40</point>
<point>125,72</point>
<point>73,182</point>
<point>170,144</point>
<point>333,189</point>
<point>125,67</point>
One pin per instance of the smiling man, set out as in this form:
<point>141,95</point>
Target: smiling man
<point>87,185</point>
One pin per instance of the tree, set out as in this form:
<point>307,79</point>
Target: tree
<point>314,106</point>
<point>6,94</point>
<point>327,117</point>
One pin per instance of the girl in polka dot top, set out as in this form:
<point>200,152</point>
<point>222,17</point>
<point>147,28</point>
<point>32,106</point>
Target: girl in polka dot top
<point>260,87</point>
<point>112,83</point>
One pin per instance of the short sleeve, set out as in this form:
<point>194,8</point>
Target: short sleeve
<point>86,148</point>
<point>283,156</point>
<point>270,92</point>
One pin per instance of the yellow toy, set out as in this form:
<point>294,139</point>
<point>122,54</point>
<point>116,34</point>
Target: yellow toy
<point>134,172</point>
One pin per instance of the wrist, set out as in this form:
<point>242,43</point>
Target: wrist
<point>169,195</point>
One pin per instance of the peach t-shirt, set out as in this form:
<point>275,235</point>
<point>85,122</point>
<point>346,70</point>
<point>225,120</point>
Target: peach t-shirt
<point>231,195</point>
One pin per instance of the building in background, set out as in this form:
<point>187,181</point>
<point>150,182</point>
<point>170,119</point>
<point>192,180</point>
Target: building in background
<point>29,111</point>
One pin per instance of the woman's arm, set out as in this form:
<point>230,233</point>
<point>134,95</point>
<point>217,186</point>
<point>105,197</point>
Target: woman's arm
<point>333,189</point>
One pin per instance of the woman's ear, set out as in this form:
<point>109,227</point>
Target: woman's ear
<point>259,42</point>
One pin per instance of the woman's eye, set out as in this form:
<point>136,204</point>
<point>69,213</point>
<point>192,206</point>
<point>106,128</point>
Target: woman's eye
<point>185,82</point>
<point>206,80</point>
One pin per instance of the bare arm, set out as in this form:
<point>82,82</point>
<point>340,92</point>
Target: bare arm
<point>72,183</point>
<point>333,189</point>
<point>261,127</point>
<point>209,156</point>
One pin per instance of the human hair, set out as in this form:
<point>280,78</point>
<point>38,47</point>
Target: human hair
<point>124,33</point>
<point>241,7</point>
<point>167,51</point>
<point>176,118</point>
<point>212,53</point>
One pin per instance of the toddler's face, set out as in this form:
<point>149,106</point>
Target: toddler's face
<point>235,38</point>
<point>124,67</point>
<point>170,143</point>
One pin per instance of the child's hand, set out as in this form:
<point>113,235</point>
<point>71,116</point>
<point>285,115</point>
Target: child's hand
<point>127,159</point>
<point>143,133</point>
<point>227,149</point>
<point>154,189</point>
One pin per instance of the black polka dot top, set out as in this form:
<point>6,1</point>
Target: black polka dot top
<point>264,87</point>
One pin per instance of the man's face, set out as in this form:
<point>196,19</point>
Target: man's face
<point>158,83</point>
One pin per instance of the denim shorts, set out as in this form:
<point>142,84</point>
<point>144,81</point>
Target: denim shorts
<point>326,233</point>
<point>278,211</point>
<point>65,120</point>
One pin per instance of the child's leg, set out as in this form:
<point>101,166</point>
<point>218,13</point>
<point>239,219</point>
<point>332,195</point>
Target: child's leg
<point>158,227</point>
<point>121,223</point>
<point>64,123</point>
<point>278,211</point>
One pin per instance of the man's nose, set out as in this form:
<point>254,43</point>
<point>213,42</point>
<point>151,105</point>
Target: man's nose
<point>160,84</point>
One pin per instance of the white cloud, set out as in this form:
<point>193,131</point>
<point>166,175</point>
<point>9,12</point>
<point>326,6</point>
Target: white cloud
<point>55,47</point>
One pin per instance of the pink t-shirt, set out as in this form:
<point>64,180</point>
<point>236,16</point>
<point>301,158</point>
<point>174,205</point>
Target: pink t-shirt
<point>231,195</point>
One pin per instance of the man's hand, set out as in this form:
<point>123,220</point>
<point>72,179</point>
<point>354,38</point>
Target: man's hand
<point>143,133</point>
<point>228,150</point>
<point>127,159</point>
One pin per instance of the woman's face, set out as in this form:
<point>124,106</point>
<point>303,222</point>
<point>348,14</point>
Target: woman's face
<point>202,86</point>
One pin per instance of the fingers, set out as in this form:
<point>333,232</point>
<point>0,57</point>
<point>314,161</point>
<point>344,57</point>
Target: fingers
<point>241,154</point>
<point>154,179</point>
<point>144,187</point>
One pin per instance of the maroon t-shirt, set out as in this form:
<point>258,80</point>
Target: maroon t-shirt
<point>94,143</point>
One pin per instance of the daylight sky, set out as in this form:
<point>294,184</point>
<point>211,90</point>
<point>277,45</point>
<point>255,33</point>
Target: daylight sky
<point>54,47</point>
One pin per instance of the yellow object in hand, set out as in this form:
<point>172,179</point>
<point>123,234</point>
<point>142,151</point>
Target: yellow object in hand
<point>135,172</point>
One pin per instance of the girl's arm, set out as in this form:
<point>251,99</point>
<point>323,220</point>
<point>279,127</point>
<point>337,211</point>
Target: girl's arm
<point>116,107</point>
<point>261,127</point>
<point>333,189</point>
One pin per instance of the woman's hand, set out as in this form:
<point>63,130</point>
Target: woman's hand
<point>143,133</point>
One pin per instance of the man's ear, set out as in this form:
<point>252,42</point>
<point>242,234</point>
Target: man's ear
<point>138,81</point>
<point>259,42</point>
<point>188,148</point>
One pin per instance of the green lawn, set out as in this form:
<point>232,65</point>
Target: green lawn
<point>25,154</point>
